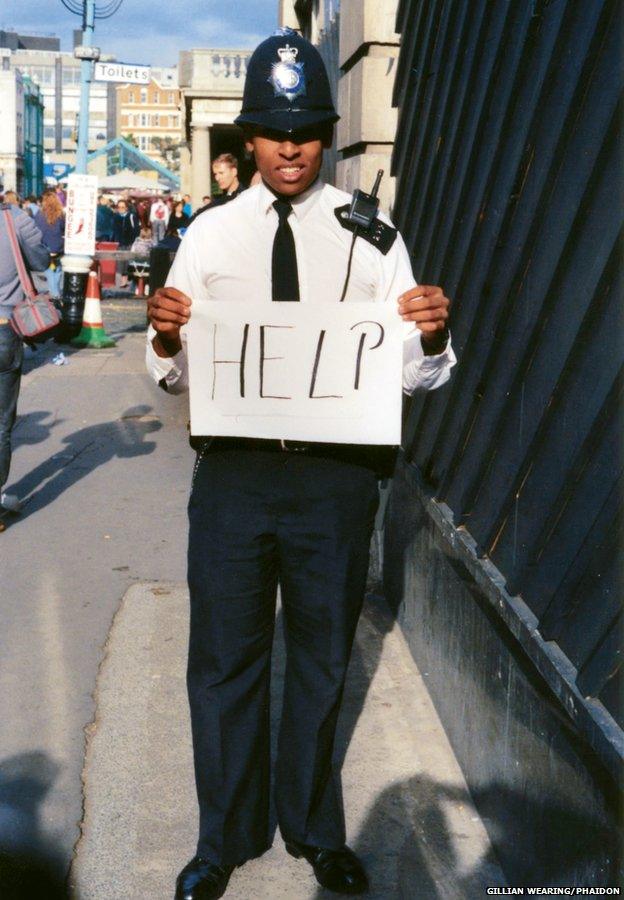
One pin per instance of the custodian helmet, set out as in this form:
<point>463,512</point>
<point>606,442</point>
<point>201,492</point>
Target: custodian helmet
<point>286,88</point>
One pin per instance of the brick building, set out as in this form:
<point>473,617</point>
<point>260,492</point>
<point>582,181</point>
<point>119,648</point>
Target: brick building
<point>151,114</point>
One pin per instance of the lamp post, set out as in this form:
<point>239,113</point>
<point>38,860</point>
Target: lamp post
<point>87,55</point>
<point>76,268</point>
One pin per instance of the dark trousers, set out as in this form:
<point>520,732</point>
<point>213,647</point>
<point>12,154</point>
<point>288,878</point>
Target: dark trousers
<point>11,353</point>
<point>258,519</point>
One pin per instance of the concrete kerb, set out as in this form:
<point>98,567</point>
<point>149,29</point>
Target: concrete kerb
<point>400,774</point>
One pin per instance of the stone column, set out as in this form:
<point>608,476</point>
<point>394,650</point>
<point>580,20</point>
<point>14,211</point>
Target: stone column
<point>369,47</point>
<point>200,163</point>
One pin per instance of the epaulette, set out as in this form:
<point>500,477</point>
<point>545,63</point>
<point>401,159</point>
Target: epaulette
<point>379,234</point>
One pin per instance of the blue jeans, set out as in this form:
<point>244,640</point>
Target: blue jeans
<point>11,353</point>
<point>54,276</point>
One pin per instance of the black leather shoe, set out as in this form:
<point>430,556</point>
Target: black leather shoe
<point>202,880</point>
<point>339,871</point>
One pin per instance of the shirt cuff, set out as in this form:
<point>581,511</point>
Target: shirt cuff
<point>171,373</point>
<point>425,373</point>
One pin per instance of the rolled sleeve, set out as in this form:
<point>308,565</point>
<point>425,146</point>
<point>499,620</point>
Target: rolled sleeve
<point>425,373</point>
<point>171,373</point>
<point>420,372</point>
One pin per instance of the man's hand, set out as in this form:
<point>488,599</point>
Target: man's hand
<point>168,309</point>
<point>427,306</point>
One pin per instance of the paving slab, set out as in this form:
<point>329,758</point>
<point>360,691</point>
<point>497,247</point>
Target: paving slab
<point>409,814</point>
<point>101,458</point>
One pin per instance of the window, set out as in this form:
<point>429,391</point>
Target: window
<point>71,76</point>
<point>67,132</point>
<point>143,120</point>
<point>155,121</point>
<point>130,96</point>
<point>143,142</point>
<point>171,97</point>
<point>143,95</point>
<point>155,97</point>
<point>48,132</point>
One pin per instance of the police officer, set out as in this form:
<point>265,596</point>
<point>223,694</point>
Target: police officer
<point>265,512</point>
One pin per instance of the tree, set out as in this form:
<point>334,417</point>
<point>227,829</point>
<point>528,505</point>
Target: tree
<point>169,151</point>
<point>130,138</point>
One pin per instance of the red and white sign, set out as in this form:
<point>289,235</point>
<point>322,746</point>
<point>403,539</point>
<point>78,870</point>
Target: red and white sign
<point>80,215</point>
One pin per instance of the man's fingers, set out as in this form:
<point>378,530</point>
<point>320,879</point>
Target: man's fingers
<point>163,303</point>
<point>168,308</point>
<point>172,293</point>
<point>433,301</point>
<point>169,317</point>
<point>420,291</point>
<point>426,315</point>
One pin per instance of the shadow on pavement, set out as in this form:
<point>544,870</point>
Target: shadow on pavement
<point>29,866</point>
<point>84,451</point>
<point>32,428</point>
<point>407,827</point>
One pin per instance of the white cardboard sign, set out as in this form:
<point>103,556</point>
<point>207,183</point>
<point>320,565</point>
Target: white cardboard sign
<point>329,372</point>
<point>80,215</point>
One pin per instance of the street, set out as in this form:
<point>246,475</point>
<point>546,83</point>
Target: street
<point>93,644</point>
<point>103,465</point>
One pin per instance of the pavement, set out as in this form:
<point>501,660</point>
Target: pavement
<point>96,766</point>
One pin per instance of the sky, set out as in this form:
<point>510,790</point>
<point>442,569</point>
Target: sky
<point>151,32</point>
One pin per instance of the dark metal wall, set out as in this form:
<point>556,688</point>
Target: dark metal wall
<point>509,194</point>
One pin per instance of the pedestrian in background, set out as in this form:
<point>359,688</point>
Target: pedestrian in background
<point>179,221</point>
<point>187,208</point>
<point>206,203</point>
<point>125,231</point>
<point>11,347</point>
<point>159,219</point>
<point>104,217</point>
<point>225,171</point>
<point>162,256</point>
<point>144,243</point>
<point>50,220</point>
<point>12,197</point>
<point>33,204</point>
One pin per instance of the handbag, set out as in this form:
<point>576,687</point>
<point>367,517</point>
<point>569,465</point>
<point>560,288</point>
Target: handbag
<point>36,313</point>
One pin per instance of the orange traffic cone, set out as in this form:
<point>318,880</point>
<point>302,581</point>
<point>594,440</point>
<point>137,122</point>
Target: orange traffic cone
<point>92,333</point>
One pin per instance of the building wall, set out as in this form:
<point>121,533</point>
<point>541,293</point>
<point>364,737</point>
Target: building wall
<point>58,76</point>
<point>360,46</point>
<point>148,112</point>
<point>11,130</point>
<point>503,540</point>
<point>33,139</point>
<point>211,83</point>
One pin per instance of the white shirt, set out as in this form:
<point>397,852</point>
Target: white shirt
<point>226,255</point>
<point>159,207</point>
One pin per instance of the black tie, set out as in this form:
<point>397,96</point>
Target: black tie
<point>284,264</point>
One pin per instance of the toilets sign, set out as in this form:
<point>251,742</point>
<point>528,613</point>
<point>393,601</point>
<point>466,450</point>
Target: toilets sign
<point>126,73</point>
<point>288,370</point>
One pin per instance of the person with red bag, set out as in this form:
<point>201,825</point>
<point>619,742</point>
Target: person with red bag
<point>11,345</point>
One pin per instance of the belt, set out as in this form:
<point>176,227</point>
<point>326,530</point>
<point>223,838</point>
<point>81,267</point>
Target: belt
<point>379,458</point>
<point>265,445</point>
